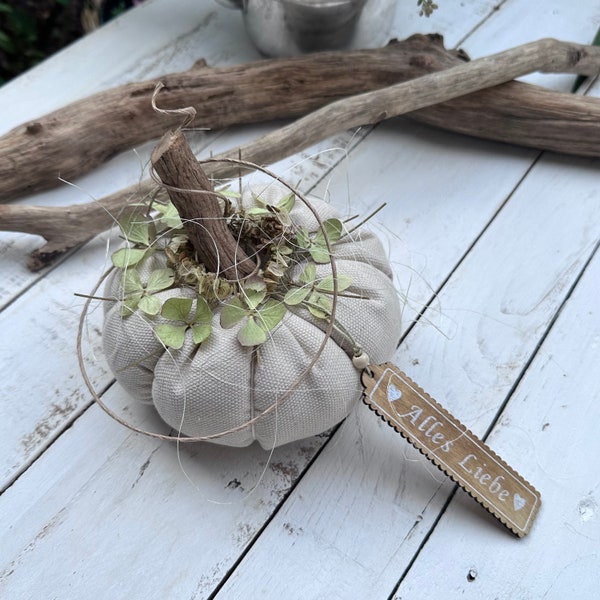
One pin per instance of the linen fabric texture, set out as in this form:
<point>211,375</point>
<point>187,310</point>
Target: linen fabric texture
<point>219,385</point>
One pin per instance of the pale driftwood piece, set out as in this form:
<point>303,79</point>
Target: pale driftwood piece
<point>78,137</point>
<point>67,227</point>
<point>201,214</point>
<point>547,56</point>
<point>74,139</point>
<point>524,115</point>
<point>369,108</point>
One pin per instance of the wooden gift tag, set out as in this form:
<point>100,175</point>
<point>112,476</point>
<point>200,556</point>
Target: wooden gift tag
<point>451,446</point>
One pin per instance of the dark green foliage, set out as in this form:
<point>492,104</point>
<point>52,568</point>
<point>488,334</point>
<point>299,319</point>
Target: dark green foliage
<point>31,30</point>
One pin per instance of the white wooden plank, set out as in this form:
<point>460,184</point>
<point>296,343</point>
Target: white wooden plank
<point>551,425</point>
<point>367,503</point>
<point>522,22</point>
<point>42,389</point>
<point>441,191</point>
<point>106,513</point>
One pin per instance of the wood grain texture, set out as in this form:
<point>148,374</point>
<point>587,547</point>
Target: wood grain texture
<point>494,309</point>
<point>547,421</point>
<point>368,108</point>
<point>82,135</point>
<point>111,503</point>
<point>42,388</point>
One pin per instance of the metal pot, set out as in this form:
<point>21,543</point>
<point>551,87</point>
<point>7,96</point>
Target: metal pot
<point>291,27</point>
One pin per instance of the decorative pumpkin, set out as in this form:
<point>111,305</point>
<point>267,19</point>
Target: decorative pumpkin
<point>235,361</point>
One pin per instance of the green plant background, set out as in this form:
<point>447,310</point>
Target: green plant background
<point>31,30</point>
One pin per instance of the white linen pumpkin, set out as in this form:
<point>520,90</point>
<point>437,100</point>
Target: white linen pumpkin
<point>220,385</point>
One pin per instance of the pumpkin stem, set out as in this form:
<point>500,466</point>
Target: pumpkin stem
<point>192,195</point>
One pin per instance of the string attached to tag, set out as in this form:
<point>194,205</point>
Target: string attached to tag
<point>447,443</point>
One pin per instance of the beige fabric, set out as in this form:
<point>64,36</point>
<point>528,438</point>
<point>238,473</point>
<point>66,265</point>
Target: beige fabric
<point>218,386</point>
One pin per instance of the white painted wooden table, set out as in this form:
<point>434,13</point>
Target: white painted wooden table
<point>494,249</point>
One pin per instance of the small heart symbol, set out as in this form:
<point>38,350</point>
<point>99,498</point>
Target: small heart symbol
<point>393,393</point>
<point>518,502</point>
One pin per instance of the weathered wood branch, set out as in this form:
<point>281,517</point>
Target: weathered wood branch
<point>216,247</point>
<point>78,137</point>
<point>372,107</point>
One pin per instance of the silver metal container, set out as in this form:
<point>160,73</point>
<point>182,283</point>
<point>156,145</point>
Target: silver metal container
<point>292,27</point>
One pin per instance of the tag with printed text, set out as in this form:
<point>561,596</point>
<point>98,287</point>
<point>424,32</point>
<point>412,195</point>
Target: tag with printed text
<point>451,446</point>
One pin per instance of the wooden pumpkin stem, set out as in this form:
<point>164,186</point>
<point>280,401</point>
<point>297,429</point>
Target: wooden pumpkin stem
<point>192,194</point>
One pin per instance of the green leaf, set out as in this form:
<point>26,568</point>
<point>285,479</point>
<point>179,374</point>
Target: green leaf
<point>320,306</point>
<point>324,301</point>
<point>303,238</point>
<point>255,291</point>
<point>253,298</point>
<point>258,211</point>
<point>309,273</point>
<point>296,295</point>
<point>160,280</point>
<point>271,314</point>
<point>228,193</point>
<point>287,203</point>
<point>172,336</point>
<point>150,305</point>
<point>255,283</point>
<point>333,230</point>
<point>258,200</point>
<point>135,229</point>
<point>317,312</point>
<point>200,332</point>
<point>130,304</point>
<point>251,334</point>
<point>203,312</point>
<point>232,313</point>
<point>127,257</point>
<point>169,215</point>
<point>326,284</point>
<point>319,254</point>
<point>132,282</point>
<point>177,309</point>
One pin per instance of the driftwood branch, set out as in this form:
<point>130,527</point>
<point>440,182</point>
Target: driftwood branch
<point>372,107</point>
<point>78,137</point>
<point>216,247</point>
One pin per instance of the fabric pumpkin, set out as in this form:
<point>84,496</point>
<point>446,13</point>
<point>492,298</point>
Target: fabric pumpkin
<point>220,385</point>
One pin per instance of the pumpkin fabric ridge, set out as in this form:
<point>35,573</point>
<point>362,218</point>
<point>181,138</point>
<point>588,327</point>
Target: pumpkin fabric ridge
<point>212,388</point>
